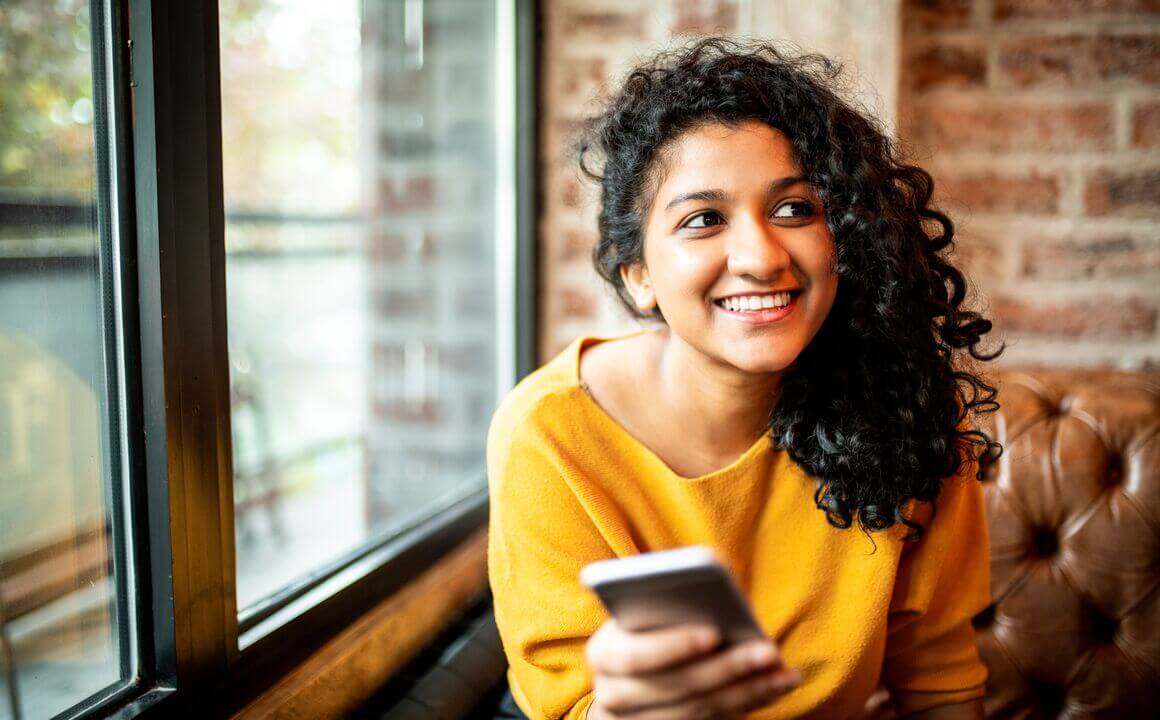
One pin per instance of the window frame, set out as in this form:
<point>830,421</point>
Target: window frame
<point>165,205</point>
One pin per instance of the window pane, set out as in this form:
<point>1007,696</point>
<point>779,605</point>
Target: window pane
<point>62,636</point>
<point>359,191</point>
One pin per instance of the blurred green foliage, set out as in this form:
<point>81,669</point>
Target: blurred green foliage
<point>46,98</point>
<point>291,93</point>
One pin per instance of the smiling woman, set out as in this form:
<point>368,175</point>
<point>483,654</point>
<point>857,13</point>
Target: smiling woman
<point>811,373</point>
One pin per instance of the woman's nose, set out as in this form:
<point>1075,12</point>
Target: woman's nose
<point>756,250</point>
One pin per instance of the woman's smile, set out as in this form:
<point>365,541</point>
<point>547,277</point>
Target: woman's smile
<point>759,308</point>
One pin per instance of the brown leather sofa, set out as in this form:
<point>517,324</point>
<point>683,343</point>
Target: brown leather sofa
<point>1074,512</point>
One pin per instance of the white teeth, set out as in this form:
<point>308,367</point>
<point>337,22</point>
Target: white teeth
<point>756,302</point>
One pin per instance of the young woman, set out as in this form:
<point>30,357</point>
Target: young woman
<point>802,410</point>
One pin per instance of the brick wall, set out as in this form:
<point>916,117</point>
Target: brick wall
<point>1039,118</point>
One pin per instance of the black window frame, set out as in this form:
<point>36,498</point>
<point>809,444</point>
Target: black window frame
<point>162,196</point>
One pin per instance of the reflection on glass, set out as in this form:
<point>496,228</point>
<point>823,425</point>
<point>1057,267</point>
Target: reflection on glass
<point>358,162</point>
<point>60,637</point>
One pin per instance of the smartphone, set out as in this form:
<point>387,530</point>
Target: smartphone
<point>688,585</point>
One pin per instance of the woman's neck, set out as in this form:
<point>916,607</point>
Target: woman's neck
<point>715,405</point>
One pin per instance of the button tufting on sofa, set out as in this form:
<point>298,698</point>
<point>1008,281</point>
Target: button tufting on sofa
<point>1044,542</point>
<point>1103,628</point>
<point>1115,471</point>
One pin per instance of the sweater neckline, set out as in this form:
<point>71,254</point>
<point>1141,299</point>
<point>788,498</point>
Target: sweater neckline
<point>738,465</point>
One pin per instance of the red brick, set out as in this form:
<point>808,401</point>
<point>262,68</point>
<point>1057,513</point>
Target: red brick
<point>466,358</point>
<point>387,248</point>
<point>571,194</point>
<point>930,14</point>
<point>405,144</point>
<point>407,195</point>
<point>574,245</point>
<point>426,246</point>
<point>705,17</point>
<point>1038,194</point>
<point>1074,259</point>
<point>1079,60</point>
<point>604,24</point>
<point>424,411</point>
<point>1094,317</point>
<point>576,303</point>
<point>978,256</point>
<point>945,64</point>
<point>393,303</point>
<point>569,127</point>
<point>1146,126</point>
<point>584,78</point>
<point>402,86</point>
<point>388,357</point>
<point>1069,9</point>
<point>1135,193</point>
<point>1000,127</point>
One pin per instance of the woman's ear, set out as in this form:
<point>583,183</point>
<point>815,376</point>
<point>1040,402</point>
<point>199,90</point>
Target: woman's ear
<point>636,280</point>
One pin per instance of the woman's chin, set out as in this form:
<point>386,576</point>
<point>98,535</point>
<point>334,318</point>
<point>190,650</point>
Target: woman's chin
<point>762,363</point>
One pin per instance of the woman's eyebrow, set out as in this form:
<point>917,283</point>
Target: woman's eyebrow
<point>715,195</point>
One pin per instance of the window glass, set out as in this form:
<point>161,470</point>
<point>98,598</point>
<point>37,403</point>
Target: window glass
<point>62,635</point>
<point>358,162</point>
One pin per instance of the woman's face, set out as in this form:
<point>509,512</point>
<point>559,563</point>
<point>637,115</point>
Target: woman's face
<point>737,254</point>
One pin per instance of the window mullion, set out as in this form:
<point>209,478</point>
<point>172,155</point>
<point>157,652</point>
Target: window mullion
<point>185,378</point>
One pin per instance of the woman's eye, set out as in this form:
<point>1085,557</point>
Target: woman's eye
<point>794,209</point>
<point>703,220</point>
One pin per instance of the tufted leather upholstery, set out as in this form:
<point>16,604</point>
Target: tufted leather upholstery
<point>1074,513</point>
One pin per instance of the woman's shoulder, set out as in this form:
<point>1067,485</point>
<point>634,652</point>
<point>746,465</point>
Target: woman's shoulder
<point>545,390</point>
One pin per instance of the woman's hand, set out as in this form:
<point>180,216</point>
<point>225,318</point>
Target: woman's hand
<point>679,673</point>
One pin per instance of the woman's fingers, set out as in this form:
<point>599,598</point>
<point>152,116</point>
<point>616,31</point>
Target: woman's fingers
<point>673,673</point>
<point>614,651</point>
<point>729,702</point>
<point>627,692</point>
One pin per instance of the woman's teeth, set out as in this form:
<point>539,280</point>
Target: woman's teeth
<point>755,302</point>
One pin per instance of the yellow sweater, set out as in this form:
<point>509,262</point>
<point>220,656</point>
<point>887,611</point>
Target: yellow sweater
<point>569,485</point>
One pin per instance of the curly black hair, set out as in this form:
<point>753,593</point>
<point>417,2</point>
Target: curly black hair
<point>874,407</point>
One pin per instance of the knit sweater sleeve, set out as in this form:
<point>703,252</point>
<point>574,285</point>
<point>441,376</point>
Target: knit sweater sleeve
<point>539,537</point>
<point>943,581</point>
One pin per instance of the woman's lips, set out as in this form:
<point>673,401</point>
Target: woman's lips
<point>763,316</point>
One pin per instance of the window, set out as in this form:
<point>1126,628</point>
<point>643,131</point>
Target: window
<point>360,182</point>
<point>65,618</point>
<point>259,291</point>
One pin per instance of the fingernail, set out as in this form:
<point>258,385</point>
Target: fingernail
<point>761,655</point>
<point>781,680</point>
<point>705,638</point>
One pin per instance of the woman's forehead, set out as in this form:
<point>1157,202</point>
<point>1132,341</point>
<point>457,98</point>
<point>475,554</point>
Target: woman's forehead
<point>725,156</point>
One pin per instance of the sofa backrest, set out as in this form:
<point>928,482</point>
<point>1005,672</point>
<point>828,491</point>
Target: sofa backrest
<point>1074,512</point>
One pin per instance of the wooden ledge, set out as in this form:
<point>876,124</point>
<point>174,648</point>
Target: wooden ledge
<point>354,665</point>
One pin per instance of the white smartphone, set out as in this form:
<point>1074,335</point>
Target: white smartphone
<point>688,585</point>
